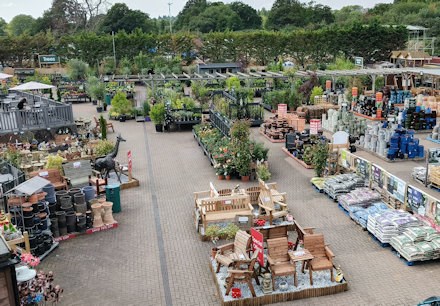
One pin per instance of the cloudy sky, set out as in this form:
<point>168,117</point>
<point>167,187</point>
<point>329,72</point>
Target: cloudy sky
<point>155,8</point>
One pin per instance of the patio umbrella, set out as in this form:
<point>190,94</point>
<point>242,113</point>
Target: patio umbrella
<point>4,76</point>
<point>31,86</point>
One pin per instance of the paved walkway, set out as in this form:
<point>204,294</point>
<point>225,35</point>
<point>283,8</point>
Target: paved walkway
<point>156,258</point>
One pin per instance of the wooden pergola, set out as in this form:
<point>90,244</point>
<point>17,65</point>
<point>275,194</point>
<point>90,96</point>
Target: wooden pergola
<point>406,74</point>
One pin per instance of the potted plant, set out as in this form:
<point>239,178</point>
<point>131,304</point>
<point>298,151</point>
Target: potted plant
<point>263,172</point>
<point>157,114</point>
<point>212,232</point>
<point>146,109</point>
<point>319,159</point>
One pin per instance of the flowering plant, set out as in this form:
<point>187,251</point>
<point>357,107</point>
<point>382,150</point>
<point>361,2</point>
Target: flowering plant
<point>30,260</point>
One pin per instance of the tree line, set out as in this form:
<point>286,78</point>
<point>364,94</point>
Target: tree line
<point>374,42</point>
<point>66,17</point>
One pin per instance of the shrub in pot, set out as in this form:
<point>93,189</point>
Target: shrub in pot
<point>157,114</point>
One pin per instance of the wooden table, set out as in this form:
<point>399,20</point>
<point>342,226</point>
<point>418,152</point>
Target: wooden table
<point>301,255</point>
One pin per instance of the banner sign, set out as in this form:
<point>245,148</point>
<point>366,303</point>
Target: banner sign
<point>396,187</point>
<point>257,244</point>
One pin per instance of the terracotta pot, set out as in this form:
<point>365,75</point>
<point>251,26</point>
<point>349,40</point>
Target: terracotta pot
<point>33,199</point>
<point>214,251</point>
<point>228,177</point>
<point>41,195</point>
<point>221,177</point>
<point>245,178</point>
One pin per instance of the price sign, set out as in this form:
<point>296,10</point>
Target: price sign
<point>315,126</point>
<point>282,110</point>
<point>257,244</point>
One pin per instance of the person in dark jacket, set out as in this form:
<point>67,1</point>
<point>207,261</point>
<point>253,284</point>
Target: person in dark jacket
<point>22,104</point>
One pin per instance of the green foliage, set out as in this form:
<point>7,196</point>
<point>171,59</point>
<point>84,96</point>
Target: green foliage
<point>341,63</point>
<point>103,126</point>
<point>108,65</point>
<point>259,151</point>
<point>319,159</point>
<point>146,107</point>
<point>104,147</point>
<point>120,17</point>
<point>37,77</point>
<point>316,91</point>
<point>21,24</point>
<point>13,156</point>
<point>214,232</point>
<point>249,18</point>
<point>95,88</point>
<point>157,113</point>
<point>54,162</point>
<point>233,82</point>
<point>293,13</point>
<point>240,131</point>
<point>263,172</point>
<point>121,104</point>
<point>77,69</point>
<point>3,27</point>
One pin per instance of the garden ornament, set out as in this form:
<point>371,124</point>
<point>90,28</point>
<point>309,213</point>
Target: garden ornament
<point>107,163</point>
<point>267,283</point>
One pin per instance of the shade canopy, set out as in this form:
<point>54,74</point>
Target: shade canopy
<point>4,76</point>
<point>31,86</point>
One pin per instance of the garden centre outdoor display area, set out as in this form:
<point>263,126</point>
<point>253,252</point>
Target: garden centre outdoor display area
<point>63,185</point>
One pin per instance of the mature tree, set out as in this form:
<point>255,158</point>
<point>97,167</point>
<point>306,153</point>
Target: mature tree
<point>21,24</point>
<point>286,13</point>
<point>120,17</point>
<point>216,17</point>
<point>93,9</point>
<point>248,15</point>
<point>64,17</point>
<point>349,14</point>
<point>189,12</point>
<point>3,27</point>
<point>317,14</point>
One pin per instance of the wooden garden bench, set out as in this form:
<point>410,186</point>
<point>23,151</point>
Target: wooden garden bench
<point>52,175</point>
<point>225,208</point>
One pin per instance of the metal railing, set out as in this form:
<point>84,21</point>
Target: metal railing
<point>50,114</point>
<point>220,122</point>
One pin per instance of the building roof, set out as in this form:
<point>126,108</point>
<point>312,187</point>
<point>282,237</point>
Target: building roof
<point>415,28</point>
<point>395,54</point>
<point>218,65</point>
<point>418,55</point>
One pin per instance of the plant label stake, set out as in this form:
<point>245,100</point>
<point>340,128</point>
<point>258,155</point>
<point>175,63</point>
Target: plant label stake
<point>130,165</point>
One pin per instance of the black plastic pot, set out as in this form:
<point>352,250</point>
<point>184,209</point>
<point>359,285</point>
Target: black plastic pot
<point>159,127</point>
<point>99,109</point>
<point>29,221</point>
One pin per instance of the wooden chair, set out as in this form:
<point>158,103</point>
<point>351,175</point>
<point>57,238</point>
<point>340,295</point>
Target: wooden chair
<point>267,205</point>
<point>301,232</point>
<point>98,126</point>
<point>279,260</point>
<point>323,255</point>
<point>232,252</point>
<point>243,276</point>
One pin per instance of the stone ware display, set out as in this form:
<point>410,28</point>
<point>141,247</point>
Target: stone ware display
<point>108,214</point>
<point>97,218</point>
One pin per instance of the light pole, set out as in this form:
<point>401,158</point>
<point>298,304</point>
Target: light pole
<point>169,16</point>
<point>114,49</point>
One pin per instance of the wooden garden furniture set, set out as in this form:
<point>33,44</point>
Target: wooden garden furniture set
<point>316,256</point>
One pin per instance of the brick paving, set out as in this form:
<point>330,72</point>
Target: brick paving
<point>127,266</point>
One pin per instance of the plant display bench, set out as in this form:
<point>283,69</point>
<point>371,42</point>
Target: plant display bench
<point>299,161</point>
